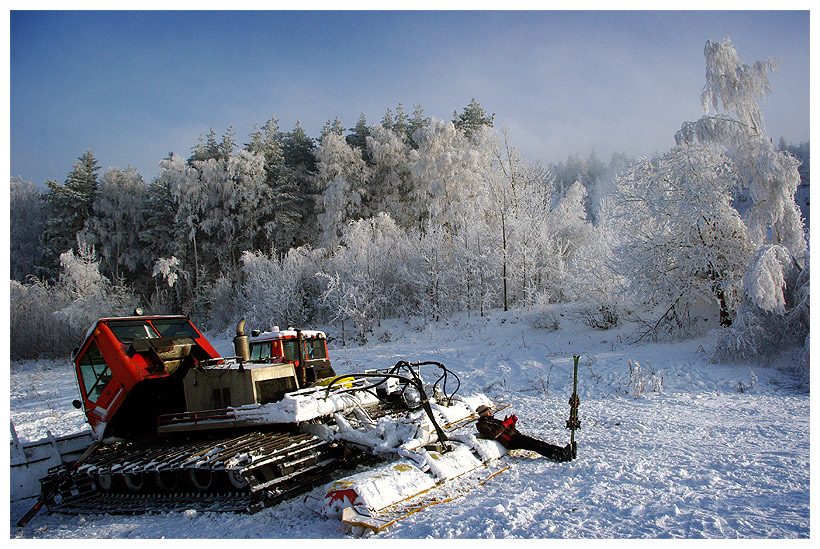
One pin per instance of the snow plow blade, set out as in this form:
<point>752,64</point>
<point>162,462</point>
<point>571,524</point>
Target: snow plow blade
<point>375,491</point>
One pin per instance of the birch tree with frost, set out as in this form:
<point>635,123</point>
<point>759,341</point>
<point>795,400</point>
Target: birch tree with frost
<point>734,91</point>
<point>707,240</point>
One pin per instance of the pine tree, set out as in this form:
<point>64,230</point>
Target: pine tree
<point>388,120</point>
<point>117,221</point>
<point>334,126</point>
<point>298,150</point>
<point>206,147</point>
<point>158,236</point>
<point>281,206</point>
<point>268,142</point>
<point>300,162</point>
<point>227,145</point>
<point>471,119</point>
<point>416,123</point>
<point>400,122</point>
<point>358,138</point>
<point>68,208</point>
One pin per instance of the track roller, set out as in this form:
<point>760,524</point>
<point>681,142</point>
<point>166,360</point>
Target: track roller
<point>134,482</point>
<point>236,480</point>
<point>201,479</point>
<point>167,481</point>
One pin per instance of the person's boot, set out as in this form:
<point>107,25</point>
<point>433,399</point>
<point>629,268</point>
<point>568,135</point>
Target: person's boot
<point>557,453</point>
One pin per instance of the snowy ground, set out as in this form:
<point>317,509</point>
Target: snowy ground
<point>722,451</point>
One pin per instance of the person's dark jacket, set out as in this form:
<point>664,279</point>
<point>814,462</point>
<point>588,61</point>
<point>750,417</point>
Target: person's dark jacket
<point>492,428</point>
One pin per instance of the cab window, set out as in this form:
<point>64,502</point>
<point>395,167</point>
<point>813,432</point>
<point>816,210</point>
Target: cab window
<point>126,332</point>
<point>290,350</point>
<point>175,328</point>
<point>94,371</point>
<point>260,351</point>
<point>315,348</point>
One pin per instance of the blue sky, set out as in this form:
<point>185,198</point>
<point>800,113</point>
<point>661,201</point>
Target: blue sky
<point>134,86</point>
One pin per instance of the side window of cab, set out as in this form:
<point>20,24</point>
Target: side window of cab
<point>94,372</point>
<point>291,351</point>
<point>260,351</point>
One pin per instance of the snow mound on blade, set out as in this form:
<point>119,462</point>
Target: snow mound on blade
<point>376,489</point>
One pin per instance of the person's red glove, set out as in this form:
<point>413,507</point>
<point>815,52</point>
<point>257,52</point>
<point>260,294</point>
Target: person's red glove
<point>509,421</point>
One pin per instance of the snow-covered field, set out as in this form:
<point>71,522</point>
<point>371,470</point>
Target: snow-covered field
<point>722,451</point>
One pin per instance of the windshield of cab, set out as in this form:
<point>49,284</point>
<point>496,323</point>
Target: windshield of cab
<point>175,328</point>
<point>129,330</point>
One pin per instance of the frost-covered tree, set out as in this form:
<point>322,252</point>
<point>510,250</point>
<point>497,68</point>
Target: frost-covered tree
<point>568,221</point>
<point>90,294</point>
<point>770,177</point>
<point>117,221</point>
<point>802,153</point>
<point>595,282</point>
<point>341,174</point>
<point>367,276</point>
<point>26,227</point>
<point>252,202</point>
<point>230,191</point>
<point>167,297</point>
<point>736,196</point>
<point>775,306</point>
<point>390,179</point>
<point>774,316</point>
<point>683,241</point>
<point>159,234</point>
<point>431,252</point>
<point>533,254</point>
<point>49,318</point>
<point>507,182</point>
<point>277,290</point>
<point>595,175</point>
<point>184,186</point>
<point>448,168</point>
<point>569,230</point>
<point>220,207</point>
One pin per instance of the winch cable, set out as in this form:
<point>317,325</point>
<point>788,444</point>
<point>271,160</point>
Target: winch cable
<point>415,381</point>
<point>445,372</point>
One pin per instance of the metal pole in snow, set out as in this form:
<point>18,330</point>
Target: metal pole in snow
<point>573,422</point>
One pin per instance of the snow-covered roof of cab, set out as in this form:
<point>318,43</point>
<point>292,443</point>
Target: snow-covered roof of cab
<point>281,334</point>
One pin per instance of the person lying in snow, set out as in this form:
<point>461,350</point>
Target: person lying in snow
<point>506,433</point>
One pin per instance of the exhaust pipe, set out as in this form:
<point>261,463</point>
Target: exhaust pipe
<point>241,345</point>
